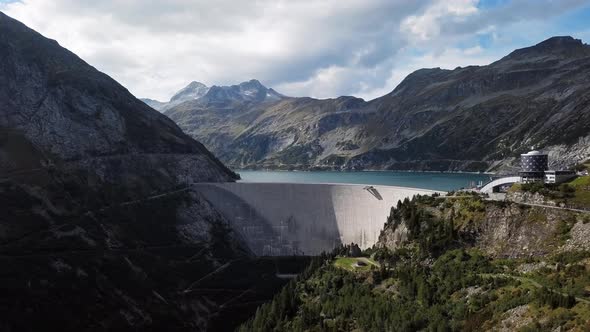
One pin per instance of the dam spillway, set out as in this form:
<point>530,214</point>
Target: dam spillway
<point>299,218</point>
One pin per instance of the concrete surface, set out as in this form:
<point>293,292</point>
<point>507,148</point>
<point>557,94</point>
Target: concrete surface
<point>298,218</point>
<point>489,187</point>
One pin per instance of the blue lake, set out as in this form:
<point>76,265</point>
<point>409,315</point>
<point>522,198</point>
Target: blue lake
<point>425,180</point>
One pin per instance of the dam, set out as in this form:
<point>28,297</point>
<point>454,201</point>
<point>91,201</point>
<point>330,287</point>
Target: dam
<point>304,219</point>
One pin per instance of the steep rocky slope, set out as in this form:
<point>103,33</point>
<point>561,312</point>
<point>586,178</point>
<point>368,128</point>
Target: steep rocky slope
<point>100,229</point>
<point>80,118</point>
<point>472,118</point>
<point>498,229</point>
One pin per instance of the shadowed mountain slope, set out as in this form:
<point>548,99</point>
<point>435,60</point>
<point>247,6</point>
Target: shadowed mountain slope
<point>100,228</point>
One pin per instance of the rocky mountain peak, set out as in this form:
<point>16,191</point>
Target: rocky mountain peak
<point>560,41</point>
<point>252,84</point>
<point>555,47</point>
<point>250,91</point>
<point>194,90</point>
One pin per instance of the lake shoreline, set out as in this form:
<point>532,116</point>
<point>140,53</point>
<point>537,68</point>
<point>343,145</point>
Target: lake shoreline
<point>360,171</point>
<point>438,181</point>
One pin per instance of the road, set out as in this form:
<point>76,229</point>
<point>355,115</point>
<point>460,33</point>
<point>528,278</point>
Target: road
<point>90,212</point>
<point>142,200</point>
<point>44,252</point>
<point>502,198</point>
<point>219,269</point>
<point>556,207</point>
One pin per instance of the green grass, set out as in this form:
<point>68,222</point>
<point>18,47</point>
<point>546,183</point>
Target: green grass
<point>349,263</point>
<point>582,193</point>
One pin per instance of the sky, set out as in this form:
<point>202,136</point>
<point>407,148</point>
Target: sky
<point>317,48</point>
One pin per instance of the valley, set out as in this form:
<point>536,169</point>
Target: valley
<point>123,214</point>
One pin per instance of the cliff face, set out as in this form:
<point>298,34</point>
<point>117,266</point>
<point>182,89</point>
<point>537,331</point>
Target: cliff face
<point>501,230</point>
<point>99,227</point>
<point>81,118</point>
<point>471,118</point>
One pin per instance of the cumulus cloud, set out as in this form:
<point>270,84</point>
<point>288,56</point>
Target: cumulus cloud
<point>427,25</point>
<point>304,47</point>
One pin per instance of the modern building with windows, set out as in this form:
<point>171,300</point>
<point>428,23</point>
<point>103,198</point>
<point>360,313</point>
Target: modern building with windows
<point>558,176</point>
<point>533,166</point>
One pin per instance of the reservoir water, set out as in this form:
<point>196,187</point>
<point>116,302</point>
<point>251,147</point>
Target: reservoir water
<point>424,180</point>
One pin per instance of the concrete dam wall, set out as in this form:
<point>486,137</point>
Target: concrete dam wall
<point>297,218</point>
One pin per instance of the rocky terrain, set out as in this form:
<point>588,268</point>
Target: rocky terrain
<point>100,229</point>
<point>471,118</point>
<point>498,229</point>
<point>223,113</point>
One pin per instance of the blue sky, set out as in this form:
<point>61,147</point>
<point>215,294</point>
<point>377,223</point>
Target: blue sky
<point>302,48</point>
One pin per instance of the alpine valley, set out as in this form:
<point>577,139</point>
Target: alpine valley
<point>475,118</point>
<point>115,217</point>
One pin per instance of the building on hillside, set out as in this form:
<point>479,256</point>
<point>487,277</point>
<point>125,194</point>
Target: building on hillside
<point>533,166</point>
<point>559,176</point>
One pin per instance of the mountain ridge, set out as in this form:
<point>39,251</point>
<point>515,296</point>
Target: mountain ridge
<point>406,128</point>
<point>251,90</point>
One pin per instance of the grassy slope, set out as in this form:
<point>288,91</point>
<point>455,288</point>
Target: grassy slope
<point>350,264</point>
<point>582,193</point>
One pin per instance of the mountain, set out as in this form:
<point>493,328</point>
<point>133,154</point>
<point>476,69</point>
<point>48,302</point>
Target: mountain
<point>473,118</point>
<point>252,92</point>
<point>224,111</point>
<point>194,90</point>
<point>100,228</point>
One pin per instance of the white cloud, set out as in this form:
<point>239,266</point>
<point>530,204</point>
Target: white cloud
<point>301,47</point>
<point>427,25</point>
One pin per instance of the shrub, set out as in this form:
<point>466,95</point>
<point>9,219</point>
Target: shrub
<point>533,187</point>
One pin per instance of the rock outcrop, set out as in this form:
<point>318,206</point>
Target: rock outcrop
<point>499,229</point>
<point>526,197</point>
<point>470,118</point>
